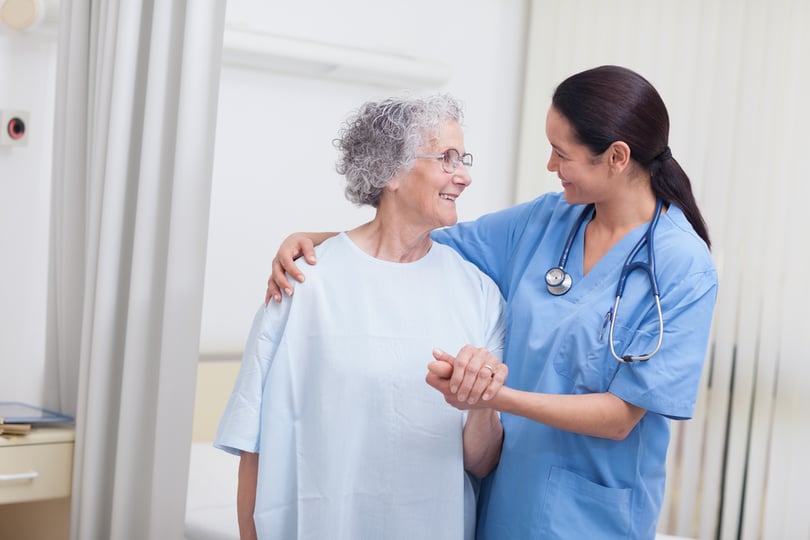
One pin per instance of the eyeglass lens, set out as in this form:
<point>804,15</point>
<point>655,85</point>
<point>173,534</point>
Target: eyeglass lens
<point>452,158</point>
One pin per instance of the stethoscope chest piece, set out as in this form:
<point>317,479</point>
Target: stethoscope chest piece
<point>558,281</point>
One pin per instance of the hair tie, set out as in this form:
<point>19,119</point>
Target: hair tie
<point>664,155</point>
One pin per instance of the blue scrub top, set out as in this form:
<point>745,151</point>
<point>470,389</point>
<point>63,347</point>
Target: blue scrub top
<point>556,484</point>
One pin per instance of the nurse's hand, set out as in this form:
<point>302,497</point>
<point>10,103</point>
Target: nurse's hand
<point>291,248</point>
<point>472,376</point>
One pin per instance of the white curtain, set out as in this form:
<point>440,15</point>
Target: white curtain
<point>734,76</point>
<point>137,87</point>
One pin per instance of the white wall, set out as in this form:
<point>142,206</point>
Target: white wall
<point>27,78</point>
<point>274,163</point>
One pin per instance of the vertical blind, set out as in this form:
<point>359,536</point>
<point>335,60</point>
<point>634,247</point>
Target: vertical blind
<point>734,75</point>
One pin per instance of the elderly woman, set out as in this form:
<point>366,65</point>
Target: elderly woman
<point>339,435</point>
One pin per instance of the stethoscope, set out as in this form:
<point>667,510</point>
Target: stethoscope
<point>558,281</point>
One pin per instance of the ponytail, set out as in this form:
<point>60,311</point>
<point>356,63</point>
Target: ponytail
<point>671,184</point>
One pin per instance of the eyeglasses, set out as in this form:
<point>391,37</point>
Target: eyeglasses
<point>450,159</point>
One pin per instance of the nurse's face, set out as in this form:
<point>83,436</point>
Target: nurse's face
<point>583,175</point>
<point>426,195</point>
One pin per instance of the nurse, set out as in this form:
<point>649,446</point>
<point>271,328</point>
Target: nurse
<point>586,436</point>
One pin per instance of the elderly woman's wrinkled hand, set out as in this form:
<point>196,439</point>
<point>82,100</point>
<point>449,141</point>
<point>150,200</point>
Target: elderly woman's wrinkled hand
<point>468,380</point>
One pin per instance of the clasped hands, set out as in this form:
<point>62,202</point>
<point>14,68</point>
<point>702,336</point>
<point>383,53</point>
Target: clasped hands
<point>468,380</point>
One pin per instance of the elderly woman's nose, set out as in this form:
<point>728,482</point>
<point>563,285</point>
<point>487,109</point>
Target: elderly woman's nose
<point>462,176</point>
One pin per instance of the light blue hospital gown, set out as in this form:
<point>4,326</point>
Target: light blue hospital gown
<point>552,483</point>
<point>353,444</point>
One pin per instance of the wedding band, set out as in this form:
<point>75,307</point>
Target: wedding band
<point>492,369</point>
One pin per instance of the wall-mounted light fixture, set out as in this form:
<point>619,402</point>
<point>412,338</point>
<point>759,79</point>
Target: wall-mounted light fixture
<point>302,57</point>
<point>22,14</point>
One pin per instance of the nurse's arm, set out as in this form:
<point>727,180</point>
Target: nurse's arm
<point>246,495</point>
<point>598,415</point>
<point>291,248</point>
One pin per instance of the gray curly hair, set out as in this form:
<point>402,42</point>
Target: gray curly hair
<point>381,139</point>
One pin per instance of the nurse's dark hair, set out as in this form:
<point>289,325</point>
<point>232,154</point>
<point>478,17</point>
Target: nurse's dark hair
<point>611,103</point>
<point>381,139</point>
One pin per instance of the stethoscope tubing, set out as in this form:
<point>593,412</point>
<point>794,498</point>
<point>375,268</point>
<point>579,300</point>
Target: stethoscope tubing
<point>570,240</point>
<point>559,282</point>
<point>628,358</point>
<point>649,268</point>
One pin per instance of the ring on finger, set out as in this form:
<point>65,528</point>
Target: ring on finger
<point>491,369</point>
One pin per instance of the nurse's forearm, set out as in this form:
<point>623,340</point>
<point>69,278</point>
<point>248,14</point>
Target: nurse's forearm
<point>598,415</point>
<point>294,246</point>
<point>483,436</point>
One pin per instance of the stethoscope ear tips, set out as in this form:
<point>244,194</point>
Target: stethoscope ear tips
<point>558,281</point>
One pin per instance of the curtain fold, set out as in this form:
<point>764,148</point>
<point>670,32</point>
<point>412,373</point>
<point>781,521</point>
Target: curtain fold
<point>134,136</point>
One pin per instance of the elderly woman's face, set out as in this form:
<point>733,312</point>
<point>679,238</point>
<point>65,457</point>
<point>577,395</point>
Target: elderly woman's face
<point>427,194</point>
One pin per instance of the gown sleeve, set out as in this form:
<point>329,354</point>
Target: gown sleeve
<point>495,313</point>
<point>240,426</point>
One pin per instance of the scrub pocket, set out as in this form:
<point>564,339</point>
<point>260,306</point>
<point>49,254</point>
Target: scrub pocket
<point>585,359</point>
<point>575,507</point>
